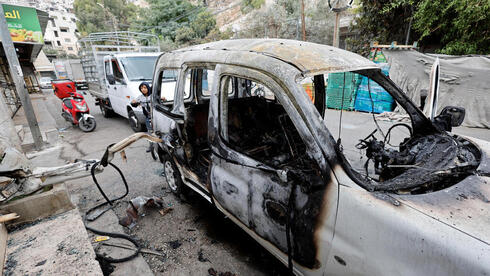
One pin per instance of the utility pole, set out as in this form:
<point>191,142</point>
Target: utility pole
<point>336,36</point>
<point>303,27</point>
<point>17,76</point>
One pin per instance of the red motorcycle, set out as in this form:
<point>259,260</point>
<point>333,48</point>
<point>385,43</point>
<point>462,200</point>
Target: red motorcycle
<point>73,106</point>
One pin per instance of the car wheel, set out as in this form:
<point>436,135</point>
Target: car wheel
<point>172,175</point>
<point>133,121</point>
<point>154,150</point>
<point>105,111</point>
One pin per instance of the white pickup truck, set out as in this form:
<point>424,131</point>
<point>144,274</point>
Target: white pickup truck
<point>123,73</point>
<point>114,73</point>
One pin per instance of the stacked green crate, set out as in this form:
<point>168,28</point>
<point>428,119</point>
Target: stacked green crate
<point>341,90</point>
<point>371,97</point>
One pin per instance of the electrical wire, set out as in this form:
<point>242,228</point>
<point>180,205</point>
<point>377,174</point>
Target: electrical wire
<point>372,110</point>
<point>388,133</point>
<point>110,202</point>
<point>341,110</point>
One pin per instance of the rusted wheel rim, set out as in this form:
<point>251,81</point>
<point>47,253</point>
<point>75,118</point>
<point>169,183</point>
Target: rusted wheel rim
<point>169,174</point>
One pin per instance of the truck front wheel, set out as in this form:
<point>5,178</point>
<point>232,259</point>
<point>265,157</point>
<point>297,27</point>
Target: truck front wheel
<point>133,121</point>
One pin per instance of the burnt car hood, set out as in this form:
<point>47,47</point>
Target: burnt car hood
<point>464,206</point>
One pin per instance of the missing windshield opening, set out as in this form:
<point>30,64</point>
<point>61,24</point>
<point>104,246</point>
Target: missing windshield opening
<point>406,155</point>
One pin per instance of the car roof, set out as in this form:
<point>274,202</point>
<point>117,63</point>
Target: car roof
<point>138,54</point>
<point>310,58</point>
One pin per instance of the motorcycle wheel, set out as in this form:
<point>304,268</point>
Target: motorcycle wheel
<point>87,125</point>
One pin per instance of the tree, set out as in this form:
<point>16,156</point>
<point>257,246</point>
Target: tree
<point>451,26</point>
<point>249,5</point>
<point>461,26</point>
<point>383,21</point>
<point>99,15</point>
<point>178,23</point>
<point>282,20</point>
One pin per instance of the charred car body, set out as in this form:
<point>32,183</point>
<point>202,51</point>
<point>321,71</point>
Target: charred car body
<point>240,130</point>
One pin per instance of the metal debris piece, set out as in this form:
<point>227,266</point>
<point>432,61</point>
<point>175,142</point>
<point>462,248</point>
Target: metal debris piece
<point>146,251</point>
<point>123,156</point>
<point>165,211</point>
<point>137,207</point>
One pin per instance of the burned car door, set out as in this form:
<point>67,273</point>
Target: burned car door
<point>171,88</point>
<point>261,170</point>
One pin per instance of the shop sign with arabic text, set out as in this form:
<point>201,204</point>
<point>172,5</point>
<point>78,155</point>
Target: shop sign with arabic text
<point>23,24</point>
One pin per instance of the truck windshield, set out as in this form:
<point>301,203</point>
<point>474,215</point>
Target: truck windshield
<point>139,68</point>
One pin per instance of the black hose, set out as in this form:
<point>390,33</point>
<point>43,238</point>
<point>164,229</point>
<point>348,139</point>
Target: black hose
<point>116,235</point>
<point>110,234</point>
<point>108,201</point>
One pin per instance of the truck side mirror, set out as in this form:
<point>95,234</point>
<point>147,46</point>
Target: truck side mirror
<point>111,79</point>
<point>450,116</point>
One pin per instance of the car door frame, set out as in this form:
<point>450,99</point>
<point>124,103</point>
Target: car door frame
<point>324,227</point>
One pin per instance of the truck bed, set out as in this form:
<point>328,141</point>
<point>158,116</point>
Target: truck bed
<point>96,91</point>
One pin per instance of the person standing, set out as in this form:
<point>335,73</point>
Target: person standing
<point>145,101</point>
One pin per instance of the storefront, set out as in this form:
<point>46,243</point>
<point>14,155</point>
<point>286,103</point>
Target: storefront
<point>26,26</point>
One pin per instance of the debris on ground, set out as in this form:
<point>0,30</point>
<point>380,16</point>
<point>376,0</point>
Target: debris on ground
<point>213,272</point>
<point>175,244</point>
<point>101,238</point>
<point>165,211</point>
<point>138,207</point>
<point>142,250</point>
<point>201,257</point>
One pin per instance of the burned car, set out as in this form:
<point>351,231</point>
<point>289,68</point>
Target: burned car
<point>239,129</point>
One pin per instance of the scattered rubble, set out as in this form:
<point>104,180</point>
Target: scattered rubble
<point>175,244</point>
<point>213,272</point>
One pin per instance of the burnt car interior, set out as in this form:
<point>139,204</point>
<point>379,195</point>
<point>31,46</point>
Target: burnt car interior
<point>258,125</point>
<point>396,156</point>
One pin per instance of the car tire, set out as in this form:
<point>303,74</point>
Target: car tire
<point>172,175</point>
<point>133,122</point>
<point>106,112</point>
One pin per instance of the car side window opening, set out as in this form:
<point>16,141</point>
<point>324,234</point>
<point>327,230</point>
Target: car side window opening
<point>187,85</point>
<point>207,81</point>
<point>257,125</point>
<point>116,70</point>
<point>168,82</point>
<point>107,65</point>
